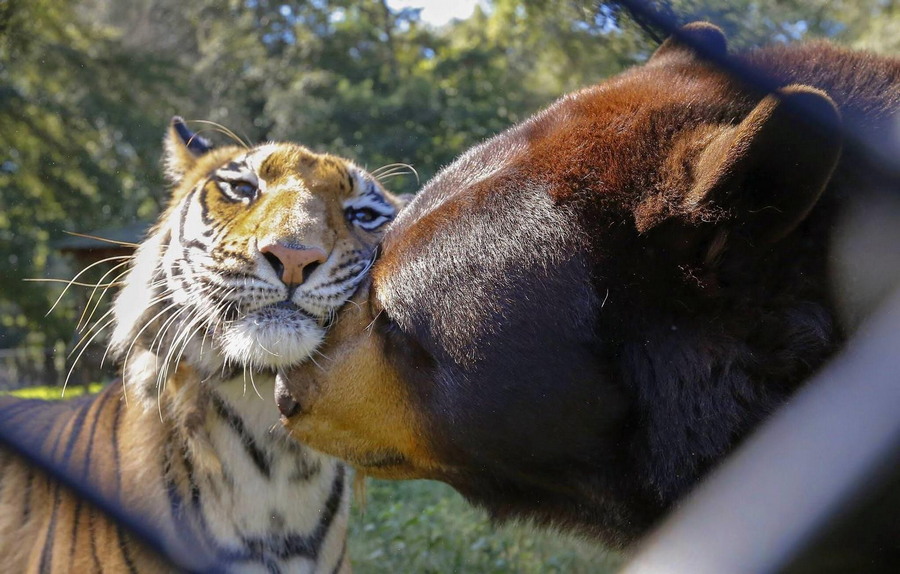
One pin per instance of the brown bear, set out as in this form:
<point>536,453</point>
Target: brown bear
<point>578,318</point>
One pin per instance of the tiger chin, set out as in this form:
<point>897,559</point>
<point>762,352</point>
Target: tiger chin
<point>239,278</point>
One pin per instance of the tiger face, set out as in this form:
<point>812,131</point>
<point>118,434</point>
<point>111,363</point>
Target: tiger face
<point>256,251</point>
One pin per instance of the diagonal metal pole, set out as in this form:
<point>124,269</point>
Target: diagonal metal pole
<point>803,467</point>
<point>20,442</point>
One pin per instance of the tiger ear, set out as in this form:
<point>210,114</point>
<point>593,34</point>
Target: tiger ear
<point>181,149</point>
<point>768,172</point>
<point>704,35</point>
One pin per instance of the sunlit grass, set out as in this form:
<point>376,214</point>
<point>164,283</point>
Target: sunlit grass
<point>423,526</point>
<point>55,393</point>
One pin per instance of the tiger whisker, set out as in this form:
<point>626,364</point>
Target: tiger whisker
<point>159,298</point>
<point>82,321</point>
<point>78,358</point>
<point>392,172</point>
<point>395,169</point>
<point>359,276</point>
<point>84,339</point>
<point>260,345</point>
<point>79,274</point>
<point>253,384</point>
<point>140,332</point>
<point>161,331</point>
<point>321,354</point>
<point>244,368</point>
<point>103,239</point>
<point>217,316</point>
<point>117,281</point>
<point>372,324</point>
<point>88,332</point>
<point>70,282</point>
<point>190,332</point>
<point>313,360</point>
<point>160,336</point>
<point>225,364</point>
<point>153,303</point>
<point>182,334</point>
<point>224,130</point>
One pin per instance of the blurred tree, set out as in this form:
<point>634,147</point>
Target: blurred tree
<point>873,25</point>
<point>868,24</point>
<point>357,78</point>
<point>87,86</point>
<point>74,144</point>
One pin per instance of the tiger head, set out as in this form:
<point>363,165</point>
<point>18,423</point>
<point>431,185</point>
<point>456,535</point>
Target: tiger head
<point>256,250</point>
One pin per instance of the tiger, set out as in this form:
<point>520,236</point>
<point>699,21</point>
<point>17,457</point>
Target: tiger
<point>239,278</point>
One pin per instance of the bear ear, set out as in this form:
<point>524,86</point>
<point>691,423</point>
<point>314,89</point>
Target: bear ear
<point>708,36</point>
<point>181,149</point>
<point>765,174</point>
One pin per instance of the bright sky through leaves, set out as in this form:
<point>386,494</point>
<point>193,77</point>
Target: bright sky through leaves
<point>438,12</point>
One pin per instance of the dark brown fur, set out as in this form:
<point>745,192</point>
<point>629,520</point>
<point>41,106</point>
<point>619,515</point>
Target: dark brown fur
<point>580,317</point>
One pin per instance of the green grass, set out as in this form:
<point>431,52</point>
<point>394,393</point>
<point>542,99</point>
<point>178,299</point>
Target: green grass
<point>426,527</point>
<point>54,393</point>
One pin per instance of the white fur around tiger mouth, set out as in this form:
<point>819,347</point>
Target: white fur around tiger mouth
<point>271,337</point>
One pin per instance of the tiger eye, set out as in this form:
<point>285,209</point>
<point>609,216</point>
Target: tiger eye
<point>244,188</point>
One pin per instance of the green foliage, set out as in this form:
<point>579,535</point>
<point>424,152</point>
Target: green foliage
<point>87,86</point>
<point>426,527</point>
<point>74,144</point>
<point>869,24</point>
<point>54,393</point>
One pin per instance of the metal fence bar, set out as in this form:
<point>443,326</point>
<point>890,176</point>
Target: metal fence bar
<point>799,470</point>
<point>23,444</point>
<point>779,490</point>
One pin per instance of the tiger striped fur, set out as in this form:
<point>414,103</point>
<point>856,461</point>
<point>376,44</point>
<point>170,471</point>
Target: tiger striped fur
<point>239,278</point>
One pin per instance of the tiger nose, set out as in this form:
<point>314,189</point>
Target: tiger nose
<point>293,262</point>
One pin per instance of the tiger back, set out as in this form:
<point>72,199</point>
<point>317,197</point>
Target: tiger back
<point>240,277</point>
